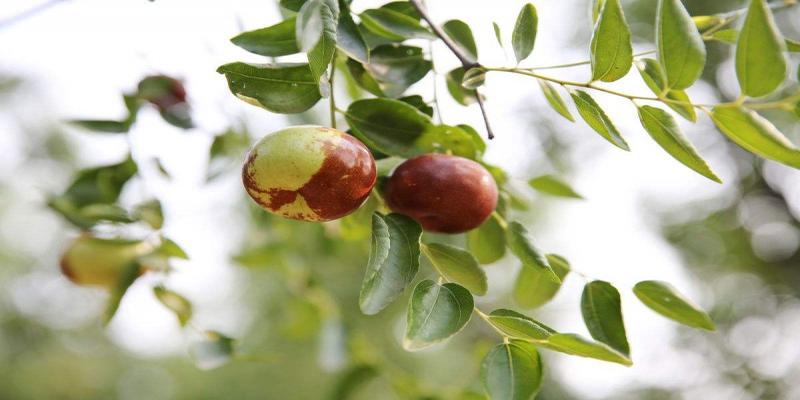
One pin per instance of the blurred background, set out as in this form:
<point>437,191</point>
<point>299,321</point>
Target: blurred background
<point>287,291</point>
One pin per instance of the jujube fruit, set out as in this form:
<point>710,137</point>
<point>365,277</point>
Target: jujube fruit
<point>443,193</point>
<point>100,262</point>
<point>309,173</point>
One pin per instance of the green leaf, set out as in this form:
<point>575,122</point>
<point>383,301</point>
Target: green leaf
<point>435,313</point>
<point>100,185</point>
<point>272,41</point>
<point>760,63</point>
<point>597,7</point>
<point>681,49</point>
<point>520,243</point>
<point>394,24</point>
<point>353,379</point>
<point>214,351</point>
<point>792,46</point>
<point>705,22</point>
<point>555,100</point>
<point>292,5</point>
<point>348,38</point>
<point>602,312</point>
<point>488,242</point>
<point>654,78</point>
<point>576,345</point>
<point>498,34</point>
<point>662,298</point>
<point>612,53</point>
<point>451,140</point>
<point>597,119</point>
<point>512,371</point>
<point>460,94</point>
<point>280,88</point>
<point>150,212</point>
<point>396,67</point>
<point>419,103</point>
<point>729,36</point>
<point>169,248</point>
<point>129,274</point>
<point>393,261</point>
<point>390,126</point>
<point>102,126</point>
<point>176,303</point>
<point>461,34</point>
<point>549,184</point>
<point>520,326</point>
<point>457,265</point>
<point>316,31</point>
<point>534,288</point>
<point>665,131</point>
<point>755,134</point>
<point>523,37</point>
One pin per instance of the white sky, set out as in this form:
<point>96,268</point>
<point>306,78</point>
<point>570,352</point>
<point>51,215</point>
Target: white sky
<point>82,54</point>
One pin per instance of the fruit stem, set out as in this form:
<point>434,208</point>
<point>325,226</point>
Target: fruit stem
<point>332,100</point>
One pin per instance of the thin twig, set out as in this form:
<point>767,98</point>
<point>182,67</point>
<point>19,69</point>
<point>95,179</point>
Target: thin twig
<point>33,11</point>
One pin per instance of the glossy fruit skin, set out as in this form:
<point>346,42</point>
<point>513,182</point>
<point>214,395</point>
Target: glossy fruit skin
<point>95,261</point>
<point>444,194</point>
<point>309,173</point>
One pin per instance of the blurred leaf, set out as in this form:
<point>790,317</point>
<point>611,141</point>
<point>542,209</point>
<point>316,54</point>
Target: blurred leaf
<point>519,326</point>
<point>103,126</point>
<point>597,7</point>
<point>168,248</point>
<point>705,22</point>
<point>461,34</point>
<point>150,212</point>
<point>662,298</point>
<point>393,261</point>
<point>100,185</point>
<point>553,186</point>
<point>387,125</point>
<point>354,378</point>
<point>793,46</point>
<point>488,242</point>
<point>214,351</point>
<point>457,265</point>
<point>450,140</point>
<point>348,38</point>
<point>512,371</point>
<point>653,76</point>
<point>612,53</point>
<point>301,319</point>
<point>280,88</point>
<point>755,134</point>
<point>460,94</point>
<point>533,288</point>
<point>435,313</point>
<point>729,36</point>
<point>129,275</point>
<point>520,243</point>
<point>760,63</point>
<point>498,34</point>
<point>555,100</point>
<point>665,131</point>
<point>106,212</point>
<point>357,226</point>
<point>681,49</point>
<point>474,78</point>
<point>292,5</point>
<point>523,37</point>
<point>176,303</point>
<point>419,103</point>
<point>394,24</point>
<point>272,41</point>
<point>597,119</point>
<point>226,151</point>
<point>601,308</point>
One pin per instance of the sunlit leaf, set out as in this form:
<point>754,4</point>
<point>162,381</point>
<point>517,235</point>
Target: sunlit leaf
<point>176,303</point>
<point>534,288</point>
<point>664,299</point>
<point>665,131</point>
<point>435,313</point>
<point>126,278</point>
<point>523,38</point>
<point>555,100</point>
<point>755,134</point>
<point>601,308</point>
<point>760,63</point>
<point>488,242</point>
<point>457,265</point>
<point>520,243</point>
<point>654,78</point>
<point>520,326</point>
<point>612,52</point>
<point>272,41</point>
<point>576,345</point>
<point>597,119</point>
<point>280,88</point>
<point>393,261</point>
<point>681,49</point>
<point>512,371</point>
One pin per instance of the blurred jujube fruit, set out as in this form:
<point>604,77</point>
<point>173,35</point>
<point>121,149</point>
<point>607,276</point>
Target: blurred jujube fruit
<point>309,173</point>
<point>443,193</point>
<point>101,262</point>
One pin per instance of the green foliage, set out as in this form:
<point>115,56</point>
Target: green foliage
<point>555,100</point>
<point>512,371</point>
<point>602,312</point>
<point>435,313</point>
<point>389,126</point>
<point>523,37</point>
<point>272,41</point>
<point>597,119</point>
<point>755,134</point>
<point>681,50</point>
<point>176,303</point>
<point>534,288</point>
<point>760,63</point>
<point>488,242</point>
<point>520,243</point>
<point>280,88</point>
<point>461,33</point>
<point>662,298</point>
<point>549,184</point>
<point>457,265</point>
<point>612,53</point>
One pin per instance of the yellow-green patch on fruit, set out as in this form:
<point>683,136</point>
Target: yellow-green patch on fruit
<point>309,173</point>
<point>100,262</point>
